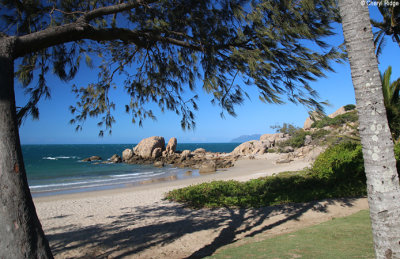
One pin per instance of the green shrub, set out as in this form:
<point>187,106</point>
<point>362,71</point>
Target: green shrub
<point>336,121</point>
<point>319,134</point>
<point>286,128</point>
<point>341,162</point>
<point>349,107</point>
<point>296,140</point>
<point>337,172</point>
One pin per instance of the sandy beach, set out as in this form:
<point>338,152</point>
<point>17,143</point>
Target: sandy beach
<point>135,222</point>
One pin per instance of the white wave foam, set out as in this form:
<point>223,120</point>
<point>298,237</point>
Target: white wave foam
<point>113,179</point>
<point>59,157</point>
<point>49,158</point>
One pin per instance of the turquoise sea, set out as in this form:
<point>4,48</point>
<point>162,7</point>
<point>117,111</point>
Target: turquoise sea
<point>57,169</point>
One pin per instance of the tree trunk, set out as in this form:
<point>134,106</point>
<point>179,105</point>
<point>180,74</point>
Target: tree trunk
<point>21,234</point>
<point>380,164</point>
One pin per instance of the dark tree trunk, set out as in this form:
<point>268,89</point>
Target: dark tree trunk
<point>21,234</point>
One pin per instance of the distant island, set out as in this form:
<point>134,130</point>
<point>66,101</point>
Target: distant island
<point>245,138</point>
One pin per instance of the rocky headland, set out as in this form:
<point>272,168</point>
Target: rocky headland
<point>288,145</point>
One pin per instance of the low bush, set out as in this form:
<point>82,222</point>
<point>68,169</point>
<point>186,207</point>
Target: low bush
<point>296,140</point>
<point>337,172</point>
<point>336,121</point>
<point>286,128</point>
<point>349,107</point>
<point>340,162</point>
<point>319,134</point>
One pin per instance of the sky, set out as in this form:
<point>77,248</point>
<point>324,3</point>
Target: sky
<point>253,116</point>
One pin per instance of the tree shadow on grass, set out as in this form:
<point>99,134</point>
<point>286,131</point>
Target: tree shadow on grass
<point>150,227</point>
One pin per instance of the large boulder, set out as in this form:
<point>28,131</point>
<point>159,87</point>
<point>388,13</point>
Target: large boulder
<point>307,140</point>
<point>274,139</point>
<point>199,151</point>
<point>185,154</point>
<point>251,148</point>
<point>208,166</point>
<point>146,146</point>
<point>171,146</point>
<point>127,154</point>
<point>157,152</point>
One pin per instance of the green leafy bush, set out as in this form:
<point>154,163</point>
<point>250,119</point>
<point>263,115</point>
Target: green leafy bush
<point>337,121</point>
<point>341,162</point>
<point>337,172</point>
<point>319,134</point>
<point>296,140</point>
<point>349,107</point>
<point>286,128</point>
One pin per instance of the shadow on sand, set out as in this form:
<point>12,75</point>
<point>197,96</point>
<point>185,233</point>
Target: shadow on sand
<point>130,233</point>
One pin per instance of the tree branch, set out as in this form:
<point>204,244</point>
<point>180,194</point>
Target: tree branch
<point>113,9</point>
<point>80,31</point>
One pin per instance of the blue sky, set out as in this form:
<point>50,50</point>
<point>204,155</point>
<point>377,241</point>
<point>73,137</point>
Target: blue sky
<point>252,117</point>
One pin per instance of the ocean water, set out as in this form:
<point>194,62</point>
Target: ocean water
<point>57,169</point>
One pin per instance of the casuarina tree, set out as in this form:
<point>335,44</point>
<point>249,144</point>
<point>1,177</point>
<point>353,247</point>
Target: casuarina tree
<point>163,49</point>
<point>379,161</point>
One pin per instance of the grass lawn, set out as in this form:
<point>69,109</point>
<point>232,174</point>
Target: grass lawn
<point>348,237</point>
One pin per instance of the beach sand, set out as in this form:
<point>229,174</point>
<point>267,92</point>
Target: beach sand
<point>135,222</point>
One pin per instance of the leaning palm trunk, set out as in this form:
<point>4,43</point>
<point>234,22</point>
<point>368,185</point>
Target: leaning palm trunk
<point>380,165</point>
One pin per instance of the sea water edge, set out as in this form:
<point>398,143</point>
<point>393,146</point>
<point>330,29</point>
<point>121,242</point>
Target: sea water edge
<point>56,169</point>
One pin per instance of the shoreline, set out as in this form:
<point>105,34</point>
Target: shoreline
<point>135,222</point>
<point>243,170</point>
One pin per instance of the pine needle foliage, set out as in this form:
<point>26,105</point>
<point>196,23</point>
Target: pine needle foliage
<point>165,49</point>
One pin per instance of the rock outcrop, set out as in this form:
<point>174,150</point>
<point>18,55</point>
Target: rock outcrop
<point>315,116</point>
<point>157,152</point>
<point>151,151</point>
<point>274,139</point>
<point>307,140</point>
<point>338,112</point>
<point>115,159</point>
<point>171,146</point>
<point>259,147</point>
<point>146,146</point>
<point>199,151</point>
<point>92,158</point>
<point>252,148</point>
<point>208,167</point>
<point>185,154</point>
<point>127,154</point>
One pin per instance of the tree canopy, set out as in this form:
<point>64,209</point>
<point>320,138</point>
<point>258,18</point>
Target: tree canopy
<point>164,48</point>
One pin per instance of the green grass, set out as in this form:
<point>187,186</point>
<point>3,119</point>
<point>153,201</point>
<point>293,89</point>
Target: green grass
<point>348,237</point>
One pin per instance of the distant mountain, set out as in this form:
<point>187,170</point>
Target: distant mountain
<point>245,138</point>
